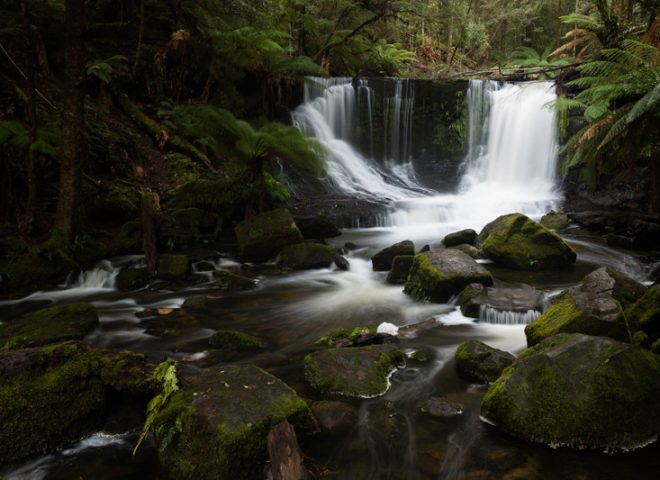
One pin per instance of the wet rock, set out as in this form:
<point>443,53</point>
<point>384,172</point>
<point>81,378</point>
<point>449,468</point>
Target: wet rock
<point>354,337</point>
<point>555,221</point>
<point>198,302</point>
<point>425,248</point>
<point>335,417</point>
<point>401,266</point>
<point>382,261</point>
<point>350,246</point>
<point>622,241</point>
<point>518,300</point>
<point>29,269</point>
<point>467,236</point>
<point>170,323</point>
<point>49,325</point>
<point>174,268</point>
<point>422,355</point>
<point>205,266</point>
<point>581,391</point>
<point>264,236</point>
<point>644,314</point>
<point>342,263</point>
<point>470,250</point>
<point>52,395</point>
<point>643,229</point>
<point>441,407</point>
<point>317,226</point>
<point>479,361</point>
<point>593,307</point>
<point>216,425</point>
<point>232,282</point>
<point>132,279</point>
<point>304,256</point>
<point>437,276</point>
<point>233,340</point>
<point>352,372</point>
<point>518,242</point>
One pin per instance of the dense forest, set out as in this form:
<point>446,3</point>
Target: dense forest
<point>156,128</point>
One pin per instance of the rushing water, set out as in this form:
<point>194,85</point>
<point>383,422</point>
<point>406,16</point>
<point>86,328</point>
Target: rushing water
<point>510,166</point>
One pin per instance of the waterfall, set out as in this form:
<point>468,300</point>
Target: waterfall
<point>507,317</point>
<point>397,119</point>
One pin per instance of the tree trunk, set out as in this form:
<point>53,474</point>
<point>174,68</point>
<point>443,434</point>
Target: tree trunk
<point>30,73</point>
<point>149,236</point>
<point>68,212</point>
<point>284,452</point>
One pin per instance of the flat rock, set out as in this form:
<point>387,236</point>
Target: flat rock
<point>382,261</point>
<point>467,236</point>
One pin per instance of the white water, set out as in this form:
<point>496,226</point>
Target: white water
<point>510,165</point>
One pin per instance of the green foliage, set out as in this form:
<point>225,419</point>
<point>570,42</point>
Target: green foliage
<point>165,374</point>
<point>392,57</point>
<point>108,69</point>
<point>528,57</point>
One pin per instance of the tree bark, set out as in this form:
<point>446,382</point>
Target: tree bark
<point>67,217</point>
<point>149,236</point>
<point>284,452</point>
<point>30,74</point>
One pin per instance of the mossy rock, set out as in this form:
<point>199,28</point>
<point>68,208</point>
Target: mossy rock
<point>132,279</point>
<point>232,282</point>
<point>645,313</point>
<point>580,391</point>
<point>382,261</point>
<point>555,221</point>
<point>593,307</point>
<point>31,268</point>
<point>216,425</point>
<point>50,396</point>
<point>49,325</point>
<point>401,266</point>
<point>467,300</point>
<point>470,250</point>
<point>352,372</point>
<point>233,340</point>
<point>334,417</point>
<point>304,256</point>
<point>264,236</point>
<point>516,241</point>
<point>437,276</point>
<point>467,236</point>
<point>314,227</point>
<point>440,407</point>
<point>175,268</point>
<point>341,333</point>
<point>479,361</point>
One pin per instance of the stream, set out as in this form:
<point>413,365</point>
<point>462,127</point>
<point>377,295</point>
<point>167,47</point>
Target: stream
<point>510,166</point>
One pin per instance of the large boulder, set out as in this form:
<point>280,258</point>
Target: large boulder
<point>49,325</point>
<point>264,236</point>
<point>579,391</point>
<point>593,307</point>
<point>174,268</point>
<point>352,372</point>
<point>479,361</point>
<point>382,261</point>
<point>516,241</point>
<point>53,395</point>
<point>522,300</point>
<point>401,266</point>
<point>314,227</point>
<point>555,221</point>
<point>132,278</point>
<point>216,425</point>
<point>304,256</point>
<point>644,314</point>
<point>467,236</point>
<point>437,276</point>
<point>232,282</point>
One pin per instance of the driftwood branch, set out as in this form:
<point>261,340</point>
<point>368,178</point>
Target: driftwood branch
<point>286,459</point>
<point>516,70</point>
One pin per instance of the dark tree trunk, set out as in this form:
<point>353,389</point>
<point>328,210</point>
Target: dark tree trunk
<point>30,72</point>
<point>149,236</point>
<point>68,214</point>
<point>285,455</point>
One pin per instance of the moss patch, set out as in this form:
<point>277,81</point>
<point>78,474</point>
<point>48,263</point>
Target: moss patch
<point>233,340</point>
<point>303,256</point>
<point>263,237</point>
<point>173,267</point>
<point>232,282</point>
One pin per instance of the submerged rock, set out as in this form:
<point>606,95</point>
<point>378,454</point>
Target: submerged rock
<point>132,278</point>
<point>382,261</point>
<point>593,307</point>
<point>581,391</point>
<point>233,340</point>
<point>53,395</point>
<point>335,417</point>
<point>437,276</point>
<point>264,236</point>
<point>304,256</point>
<point>352,372</point>
<point>441,407</point>
<point>342,263</point>
<point>49,325</point>
<point>516,241</point>
<point>479,361</point>
<point>467,236</point>
<point>173,267</point>
<point>216,425</point>
<point>170,323</point>
<point>232,282</point>
<point>401,266</point>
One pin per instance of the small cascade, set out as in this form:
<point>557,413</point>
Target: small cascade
<point>506,317</point>
<point>101,276</point>
<point>398,116</point>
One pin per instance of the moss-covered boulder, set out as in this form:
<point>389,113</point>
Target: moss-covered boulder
<point>519,302</point>
<point>216,425</point>
<point>555,221</point>
<point>53,395</point>
<point>644,314</point>
<point>437,276</point>
<point>233,340</point>
<point>132,278</point>
<point>470,250</point>
<point>31,268</point>
<point>382,261</point>
<point>519,242</point>
<point>352,372</point>
<point>304,256</point>
<point>264,236</point>
<point>401,266</point>
<point>49,325</point>
<point>467,236</point>
<point>580,391</point>
<point>593,307</point>
<point>479,361</point>
<point>314,227</point>
<point>232,282</point>
<point>334,417</point>
<point>174,268</point>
